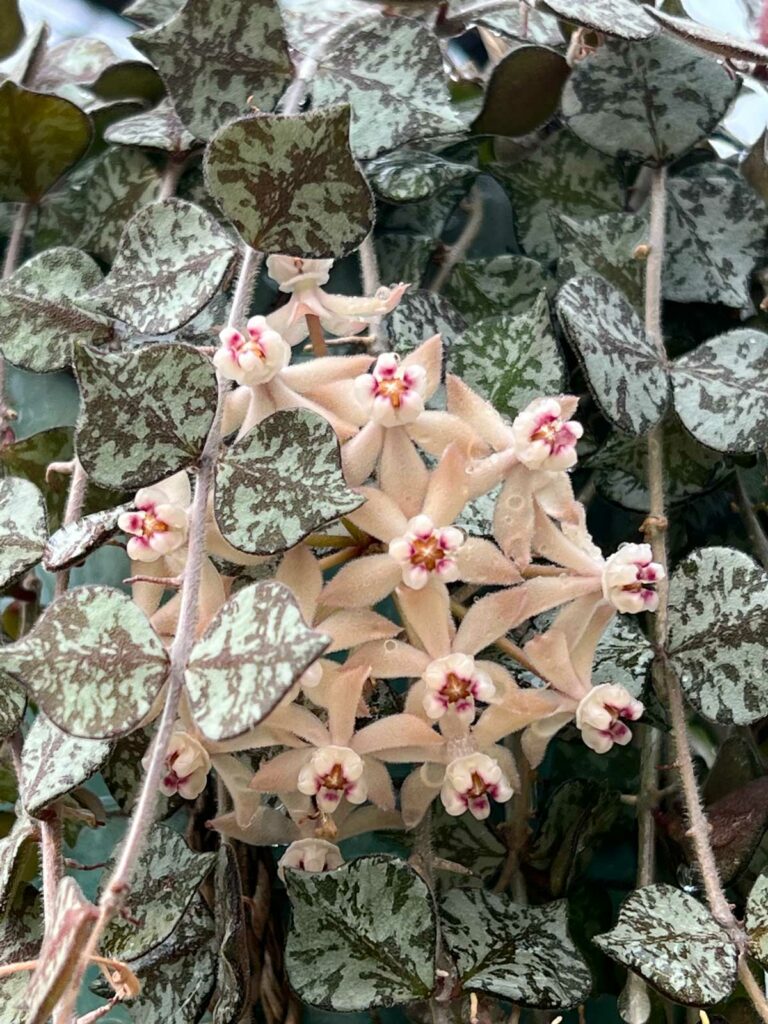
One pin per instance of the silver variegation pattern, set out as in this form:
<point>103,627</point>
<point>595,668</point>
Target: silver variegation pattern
<point>23,529</point>
<point>53,763</point>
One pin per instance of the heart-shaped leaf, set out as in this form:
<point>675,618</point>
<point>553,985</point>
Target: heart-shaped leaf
<point>39,315</point>
<point>145,415</point>
<point>13,703</point>
<point>381,955</point>
<point>523,92</point>
<point>506,284</point>
<point>71,543</point>
<point>419,315</point>
<point>716,230</point>
<point>718,623</point>
<point>290,184</point>
<point>620,362</point>
<point>519,953</point>
<point>30,457</point>
<point>54,763</point>
<point>604,246</point>
<point>92,662</point>
<point>673,942</point>
<point>23,530</point>
<point>622,18</point>
<point>170,263</point>
<point>281,482</point>
<point>41,137</point>
<point>511,359</point>
<point>160,128</point>
<point>390,70</point>
<point>166,877</point>
<point>408,175</point>
<point>218,57</point>
<point>20,936</point>
<point>249,657</point>
<point>649,101</point>
<point>13,850</point>
<point>721,390</point>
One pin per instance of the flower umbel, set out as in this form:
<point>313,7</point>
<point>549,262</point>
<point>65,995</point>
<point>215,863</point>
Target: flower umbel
<point>470,784</point>
<point>455,682</point>
<point>158,526</point>
<point>392,395</point>
<point>630,577</point>
<point>255,359</point>
<point>426,550</point>
<point>331,774</point>
<point>601,714</point>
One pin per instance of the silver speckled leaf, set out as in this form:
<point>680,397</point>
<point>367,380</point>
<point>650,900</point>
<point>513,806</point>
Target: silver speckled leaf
<point>218,57</point>
<point>249,657</point>
<point>160,128</point>
<point>281,482</point>
<point>169,264</point>
<point>41,137</point>
<point>505,284</point>
<point>145,415</point>
<point>756,921</point>
<point>20,936</point>
<point>290,184</point>
<point>672,941</point>
<point>13,702</point>
<point>718,630</point>
<point>562,176</point>
<point>165,880</point>
<point>92,662</point>
<point>380,955</point>
<point>716,236</point>
<point>419,315</point>
<point>13,848</point>
<point>53,763</point>
<point>623,656</point>
<point>23,530</point>
<point>604,246</point>
<point>511,359</point>
<point>408,175</point>
<point>390,70</point>
<point>721,391</point>
<point>622,18</point>
<point>71,543</point>
<point>39,315</point>
<point>650,100</point>
<point>620,362</point>
<point>520,953</point>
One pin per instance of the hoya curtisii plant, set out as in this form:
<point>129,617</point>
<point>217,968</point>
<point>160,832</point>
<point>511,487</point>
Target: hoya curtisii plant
<point>334,582</point>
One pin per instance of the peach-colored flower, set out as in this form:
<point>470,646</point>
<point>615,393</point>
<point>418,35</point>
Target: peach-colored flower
<point>252,360</point>
<point>339,314</point>
<point>543,438</point>
<point>455,683</point>
<point>331,774</point>
<point>158,525</point>
<point>601,714</point>
<point>471,782</point>
<point>391,394</point>
<point>425,551</point>
<point>629,579</point>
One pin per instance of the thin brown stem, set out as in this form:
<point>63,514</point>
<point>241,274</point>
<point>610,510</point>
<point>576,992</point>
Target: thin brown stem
<point>171,175</point>
<point>371,275</point>
<point>52,861</point>
<point>456,253</point>
<point>316,335</point>
<point>753,990</point>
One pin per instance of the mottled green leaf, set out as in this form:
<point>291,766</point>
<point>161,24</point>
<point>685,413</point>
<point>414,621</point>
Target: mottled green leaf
<point>757,920</point>
<point>405,257</point>
<point>41,137</point>
<point>467,841</point>
<point>124,773</point>
<point>716,235</point>
<point>721,389</point>
<point>408,175</point>
<point>623,656</point>
<point>290,185</point>
<point>504,284</point>
<point>23,531</point>
<point>621,466</point>
<point>622,18</point>
<point>523,92</point>
<point>166,878</point>
<point>30,457</point>
<point>54,763</point>
<point>604,246</point>
<point>92,662</point>
<point>511,359</point>
<point>280,482</point>
<point>160,128</point>
<point>171,261</point>
<point>39,315</point>
<point>620,362</point>
<point>419,315</point>
<point>519,953</point>
<point>218,57</point>
<point>708,38</point>
<point>123,181</point>
<point>234,967</point>
<point>650,100</point>
<point>380,955</point>
<point>564,177</point>
<point>13,849</point>
<point>390,70</point>
<point>11,27</point>
<point>718,622</point>
<point>21,933</point>
<point>12,704</point>
<point>672,941</point>
<point>145,415</point>
<point>71,922</point>
<point>249,657</point>
<point>71,543</point>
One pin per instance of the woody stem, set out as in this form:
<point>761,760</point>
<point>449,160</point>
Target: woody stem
<point>316,335</point>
